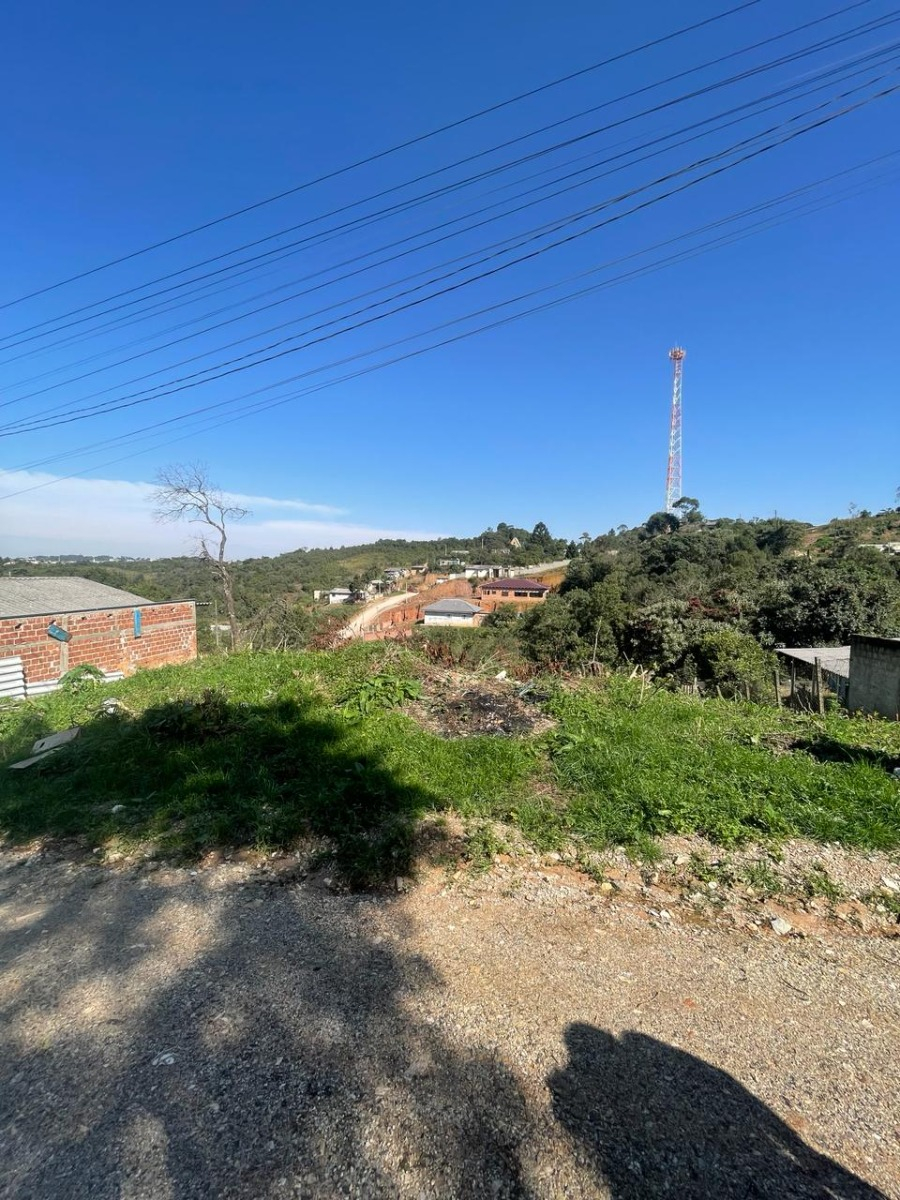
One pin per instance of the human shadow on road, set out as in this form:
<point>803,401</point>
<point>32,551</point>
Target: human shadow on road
<point>248,1033</point>
<point>658,1121</point>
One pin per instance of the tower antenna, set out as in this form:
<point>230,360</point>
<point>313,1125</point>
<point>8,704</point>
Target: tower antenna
<point>673,472</point>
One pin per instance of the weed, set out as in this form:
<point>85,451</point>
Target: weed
<point>81,678</point>
<point>382,692</point>
<point>761,877</point>
<point>483,845</point>
<point>719,871</point>
<point>890,900</point>
<point>590,865</point>
<point>817,882</point>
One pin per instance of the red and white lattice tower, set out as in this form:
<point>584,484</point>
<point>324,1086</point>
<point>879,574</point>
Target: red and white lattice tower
<point>673,474</point>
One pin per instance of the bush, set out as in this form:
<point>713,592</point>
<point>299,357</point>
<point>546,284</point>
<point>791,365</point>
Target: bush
<point>735,663</point>
<point>549,633</point>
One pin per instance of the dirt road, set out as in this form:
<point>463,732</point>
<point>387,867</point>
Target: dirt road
<point>238,1033</point>
<point>364,619</point>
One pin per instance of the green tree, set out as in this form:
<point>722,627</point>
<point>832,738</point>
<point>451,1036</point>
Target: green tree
<point>503,616</point>
<point>823,603</point>
<point>549,633</point>
<point>661,522</point>
<point>688,510</point>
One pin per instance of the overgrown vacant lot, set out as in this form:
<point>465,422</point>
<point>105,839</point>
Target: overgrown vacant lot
<point>261,750</point>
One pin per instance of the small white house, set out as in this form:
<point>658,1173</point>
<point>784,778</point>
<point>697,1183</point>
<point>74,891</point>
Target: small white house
<point>484,571</point>
<point>340,596</point>
<point>451,612</point>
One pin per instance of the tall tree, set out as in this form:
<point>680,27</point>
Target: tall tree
<point>185,492</point>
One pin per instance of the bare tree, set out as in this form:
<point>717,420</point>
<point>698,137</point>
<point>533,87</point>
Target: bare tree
<point>185,492</point>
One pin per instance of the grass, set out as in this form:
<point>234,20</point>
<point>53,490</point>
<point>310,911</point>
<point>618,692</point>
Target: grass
<point>674,764</point>
<point>262,750</point>
<point>818,883</point>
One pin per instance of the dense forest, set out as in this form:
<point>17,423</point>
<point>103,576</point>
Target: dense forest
<point>706,600</point>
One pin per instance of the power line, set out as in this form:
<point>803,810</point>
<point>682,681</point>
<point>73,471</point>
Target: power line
<point>636,273</point>
<point>837,39</point>
<point>381,154</point>
<point>585,175</point>
<point>139,399</point>
<point>749,109</point>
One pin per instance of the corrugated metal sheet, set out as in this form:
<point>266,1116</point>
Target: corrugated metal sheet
<point>834,659</point>
<point>13,685</point>
<point>12,678</point>
<point>50,685</point>
<point>35,595</point>
<point>41,689</point>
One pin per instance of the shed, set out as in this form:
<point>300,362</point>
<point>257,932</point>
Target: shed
<point>451,612</point>
<point>50,624</point>
<point>833,661</point>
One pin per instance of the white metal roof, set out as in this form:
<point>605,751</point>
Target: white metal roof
<point>452,607</point>
<point>834,659</point>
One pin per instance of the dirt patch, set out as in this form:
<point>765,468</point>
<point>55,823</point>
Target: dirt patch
<point>452,709</point>
<point>820,890</point>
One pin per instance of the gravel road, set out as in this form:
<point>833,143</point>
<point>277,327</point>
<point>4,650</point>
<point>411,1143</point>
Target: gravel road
<point>236,1033</point>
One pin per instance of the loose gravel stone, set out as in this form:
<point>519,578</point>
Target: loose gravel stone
<point>511,1034</point>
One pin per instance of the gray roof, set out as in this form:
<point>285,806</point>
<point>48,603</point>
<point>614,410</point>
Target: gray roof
<point>40,595</point>
<point>833,659</point>
<point>451,607</point>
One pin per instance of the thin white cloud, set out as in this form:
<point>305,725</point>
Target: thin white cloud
<point>114,516</point>
<point>256,502</point>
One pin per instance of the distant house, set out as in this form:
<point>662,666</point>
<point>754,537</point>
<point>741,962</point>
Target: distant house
<point>521,592</point>
<point>340,596</point>
<point>451,612</point>
<point>49,625</point>
<point>483,571</point>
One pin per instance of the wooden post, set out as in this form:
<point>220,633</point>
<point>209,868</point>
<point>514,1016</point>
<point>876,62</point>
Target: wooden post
<point>793,678</point>
<point>819,693</point>
<point>777,685</point>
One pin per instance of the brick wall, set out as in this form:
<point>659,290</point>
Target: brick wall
<point>489,601</point>
<point>103,638</point>
<point>413,610</point>
<point>875,676</point>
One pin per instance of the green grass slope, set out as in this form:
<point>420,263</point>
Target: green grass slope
<point>262,750</point>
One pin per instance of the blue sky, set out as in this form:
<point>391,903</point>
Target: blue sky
<point>123,127</point>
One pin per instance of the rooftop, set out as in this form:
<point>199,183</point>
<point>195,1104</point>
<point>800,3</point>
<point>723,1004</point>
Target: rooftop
<point>833,659</point>
<point>45,595</point>
<point>452,608</point>
<point>518,585</point>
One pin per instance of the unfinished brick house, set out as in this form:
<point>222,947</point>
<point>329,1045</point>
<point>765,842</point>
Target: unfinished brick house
<point>523,593</point>
<point>49,625</point>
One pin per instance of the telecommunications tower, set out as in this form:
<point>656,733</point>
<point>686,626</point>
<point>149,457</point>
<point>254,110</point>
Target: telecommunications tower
<point>673,473</point>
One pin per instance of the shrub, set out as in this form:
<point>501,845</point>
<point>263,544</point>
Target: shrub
<point>735,663</point>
